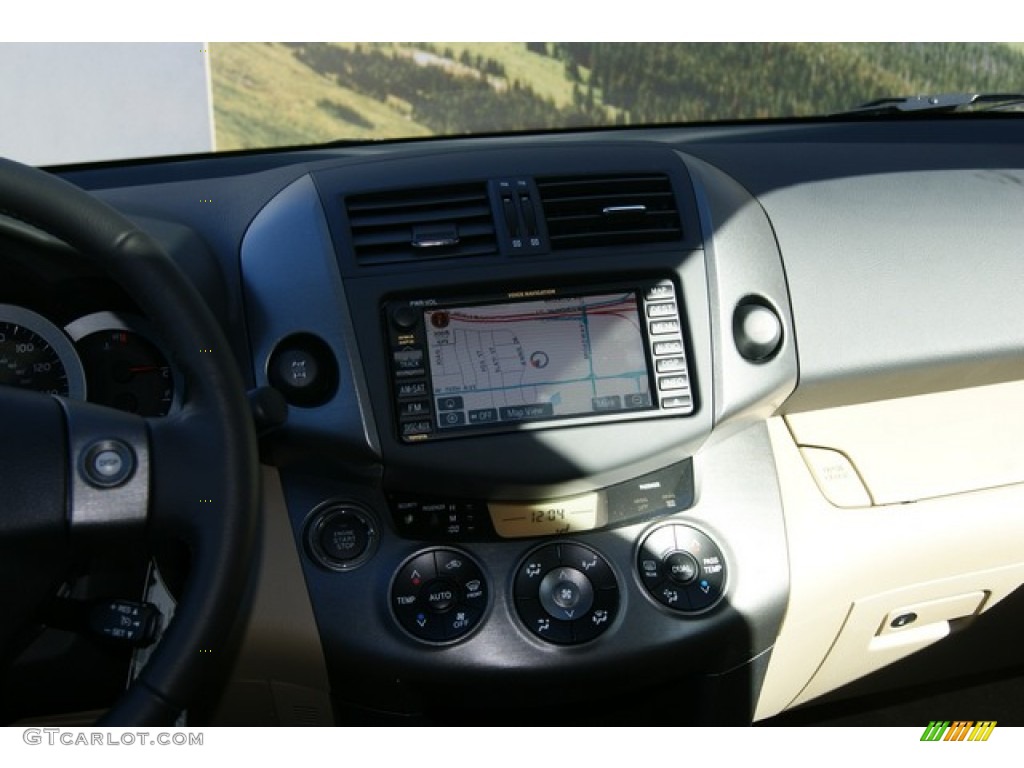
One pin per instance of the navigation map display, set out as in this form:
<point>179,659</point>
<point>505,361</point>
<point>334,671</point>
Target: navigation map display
<point>535,360</point>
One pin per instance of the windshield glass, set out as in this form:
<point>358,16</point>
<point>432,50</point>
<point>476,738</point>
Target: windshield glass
<point>78,102</point>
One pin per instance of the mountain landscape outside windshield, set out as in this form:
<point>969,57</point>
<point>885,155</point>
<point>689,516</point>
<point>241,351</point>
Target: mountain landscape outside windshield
<point>277,94</point>
<point>65,100</point>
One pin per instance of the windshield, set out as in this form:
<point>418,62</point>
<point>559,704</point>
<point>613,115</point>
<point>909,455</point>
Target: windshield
<point>90,101</point>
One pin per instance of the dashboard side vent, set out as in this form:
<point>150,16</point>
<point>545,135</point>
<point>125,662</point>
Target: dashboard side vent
<point>419,224</point>
<point>585,211</point>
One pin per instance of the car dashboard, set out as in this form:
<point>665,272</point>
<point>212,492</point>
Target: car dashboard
<point>678,425</point>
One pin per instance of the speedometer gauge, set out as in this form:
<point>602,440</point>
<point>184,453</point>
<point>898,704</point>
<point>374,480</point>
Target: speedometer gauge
<point>35,354</point>
<point>124,366</point>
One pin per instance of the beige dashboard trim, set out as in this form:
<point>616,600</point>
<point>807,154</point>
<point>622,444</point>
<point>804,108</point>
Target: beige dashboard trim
<point>850,569</point>
<point>280,677</point>
<point>912,448</point>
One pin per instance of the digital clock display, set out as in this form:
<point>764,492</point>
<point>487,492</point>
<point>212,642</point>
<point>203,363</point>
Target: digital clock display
<point>513,520</point>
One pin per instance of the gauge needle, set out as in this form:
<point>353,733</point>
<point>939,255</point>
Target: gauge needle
<point>143,368</point>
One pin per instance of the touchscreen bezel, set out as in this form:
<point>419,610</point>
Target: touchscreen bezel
<point>417,407</point>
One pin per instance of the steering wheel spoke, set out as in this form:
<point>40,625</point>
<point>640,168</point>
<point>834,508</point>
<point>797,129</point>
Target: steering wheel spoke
<point>108,470</point>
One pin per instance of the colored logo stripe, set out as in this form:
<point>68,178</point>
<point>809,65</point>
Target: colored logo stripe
<point>958,730</point>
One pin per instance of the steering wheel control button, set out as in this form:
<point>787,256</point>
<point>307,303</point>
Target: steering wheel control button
<point>757,331</point>
<point>108,463</point>
<point>341,537</point>
<point>439,596</point>
<point>303,369</point>
<point>565,593</point>
<point>682,568</point>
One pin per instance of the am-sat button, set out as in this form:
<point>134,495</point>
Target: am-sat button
<point>412,389</point>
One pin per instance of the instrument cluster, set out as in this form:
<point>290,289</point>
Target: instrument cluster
<point>111,359</point>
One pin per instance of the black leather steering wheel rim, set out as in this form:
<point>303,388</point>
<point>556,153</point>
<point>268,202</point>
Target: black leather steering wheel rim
<point>204,487</point>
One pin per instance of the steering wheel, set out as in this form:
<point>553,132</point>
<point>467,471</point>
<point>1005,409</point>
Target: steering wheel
<point>190,477</point>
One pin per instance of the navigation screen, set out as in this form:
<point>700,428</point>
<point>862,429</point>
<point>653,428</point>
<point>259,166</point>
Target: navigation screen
<point>537,360</point>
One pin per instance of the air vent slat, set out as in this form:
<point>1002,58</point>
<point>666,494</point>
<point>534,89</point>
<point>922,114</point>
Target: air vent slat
<point>369,238</point>
<point>590,211</point>
<point>388,227</point>
<point>422,217</point>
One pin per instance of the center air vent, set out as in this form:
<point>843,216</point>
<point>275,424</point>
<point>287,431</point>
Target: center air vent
<point>417,224</point>
<point>587,211</point>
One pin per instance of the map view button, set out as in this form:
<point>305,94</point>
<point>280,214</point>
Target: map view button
<point>520,412</point>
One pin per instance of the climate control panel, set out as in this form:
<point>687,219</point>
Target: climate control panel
<point>439,595</point>
<point>682,568</point>
<point>566,593</point>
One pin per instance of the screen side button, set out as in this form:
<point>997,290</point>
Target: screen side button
<point>664,327</point>
<point>662,290</point>
<point>669,383</point>
<point>671,365</point>
<point>677,402</point>
<point>662,309</point>
<point>668,348</point>
<point>411,428</point>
